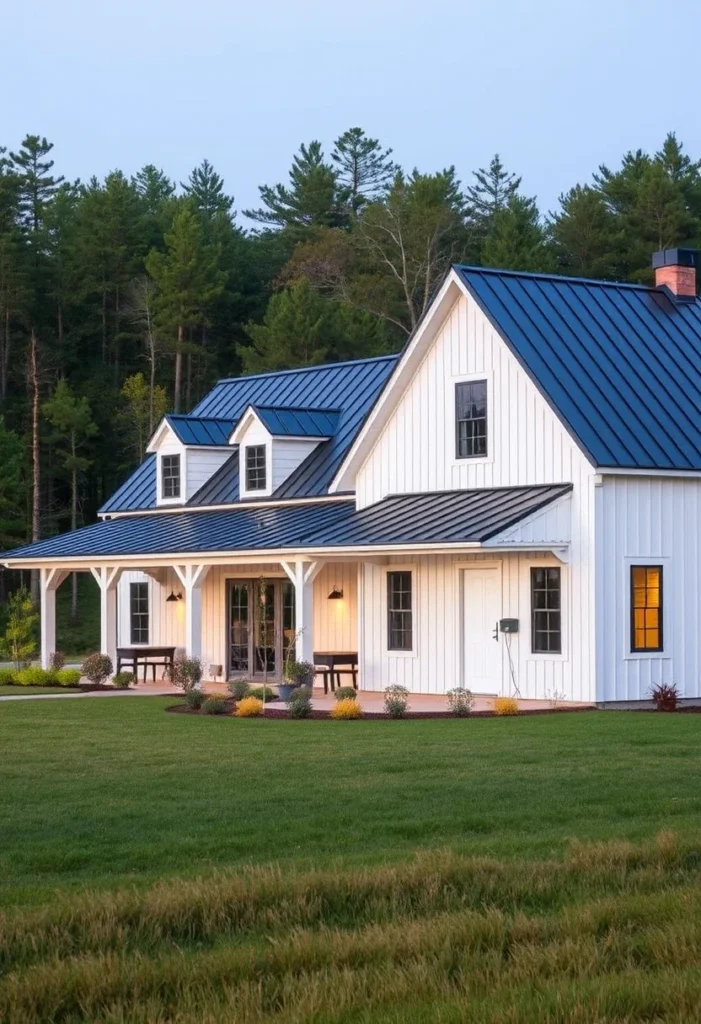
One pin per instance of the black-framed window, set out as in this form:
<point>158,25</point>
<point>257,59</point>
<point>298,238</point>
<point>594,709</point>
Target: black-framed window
<point>400,611</point>
<point>471,419</point>
<point>546,610</point>
<point>170,476</point>
<point>646,608</point>
<point>255,468</point>
<point>138,613</point>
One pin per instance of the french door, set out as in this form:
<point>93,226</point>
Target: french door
<point>261,626</point>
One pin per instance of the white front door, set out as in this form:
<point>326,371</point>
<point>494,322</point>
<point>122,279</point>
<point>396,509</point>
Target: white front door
<point>481,611</point>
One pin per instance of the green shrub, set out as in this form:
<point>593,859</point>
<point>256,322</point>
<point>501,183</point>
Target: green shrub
<point>264,693</point>
<point>8,677</point>
<point>187,672</point>
<point>215,705</point>
<point>239,688</point>
<point>396,701</point>
<point>68,676</point>
<point>97,667</point>
<point>300,703</point>
<point>34,676</point>
<point>123,679</point>
<point>195,698</point>
<point>346,693</point>
<point>460,702</point>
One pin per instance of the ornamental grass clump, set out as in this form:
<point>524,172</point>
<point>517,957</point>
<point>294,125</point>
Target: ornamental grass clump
<point>506,706</point>
<point>97,667</point>
<point>346,709</point>
<point>665,696</point>
<point>215,705</point>
<point>239,688</point>
<point>249,707</point>
<point>300,703</point>
<point>345,693</point>
<point>460,702</point>
<point>396,701</point>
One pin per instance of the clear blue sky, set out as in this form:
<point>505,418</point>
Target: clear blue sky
<point>555,86</point>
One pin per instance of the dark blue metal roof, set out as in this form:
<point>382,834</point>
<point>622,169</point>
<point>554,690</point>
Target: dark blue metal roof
<point>351,388</point>
<point>137,492</point>
<point>282,422</point>
<point>446,517</point>
<point>200,430</point>
<point>620,364</point>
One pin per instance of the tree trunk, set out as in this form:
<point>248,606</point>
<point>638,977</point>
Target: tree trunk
<point>36,464</point>
<point>5,361</point>
<point>116,337</point>
<point>188,382</point>
<point>104,325</point>
<point>74,524</point>
<point>178,370</point>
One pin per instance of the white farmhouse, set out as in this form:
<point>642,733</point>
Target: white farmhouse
<point>512,504</point>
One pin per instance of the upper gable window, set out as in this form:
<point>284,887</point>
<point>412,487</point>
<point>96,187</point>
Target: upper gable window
<point>255,468</point>
<point>471,419</point>
<point>170,476</point>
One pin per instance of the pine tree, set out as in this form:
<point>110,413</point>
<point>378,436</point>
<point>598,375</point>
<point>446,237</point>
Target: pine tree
<point>365,170</point>
<point>37,185</point>
<point>516,240</point>
<point>294,332</point>
<point>13,488</point>
<point>153,187</point>
<point>586,238</point>
<point>311,198</point>
<point>493,189</point>
<point>73,425</point>
<point>205,188</point>
<point>188,279</point>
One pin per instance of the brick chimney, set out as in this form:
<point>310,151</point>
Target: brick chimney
<point>676,268</point>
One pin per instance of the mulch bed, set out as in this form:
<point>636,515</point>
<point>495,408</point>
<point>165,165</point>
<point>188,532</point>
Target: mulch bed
<point>183,709</point>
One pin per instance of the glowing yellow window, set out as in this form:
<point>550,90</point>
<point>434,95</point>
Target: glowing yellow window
<point>646,607</point>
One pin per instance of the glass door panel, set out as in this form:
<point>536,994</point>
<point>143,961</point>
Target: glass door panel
<point>265,618</point>
<point>239,628</point>
<point>288,619</point>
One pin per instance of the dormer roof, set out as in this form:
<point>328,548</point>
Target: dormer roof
<point>201,431</point>
<point>282,421</point>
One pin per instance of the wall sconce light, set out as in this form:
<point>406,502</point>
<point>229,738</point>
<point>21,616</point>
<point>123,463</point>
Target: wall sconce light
<point>173,597</point>
<point>335,594</point>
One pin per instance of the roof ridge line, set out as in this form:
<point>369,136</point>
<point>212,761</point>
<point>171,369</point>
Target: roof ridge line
<point>543,275</point>
<point>307,369</point>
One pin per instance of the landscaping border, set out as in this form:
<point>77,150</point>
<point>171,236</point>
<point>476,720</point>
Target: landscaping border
<point>325,716</point>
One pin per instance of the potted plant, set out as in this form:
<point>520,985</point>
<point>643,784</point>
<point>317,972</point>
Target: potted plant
<point>295,674</point>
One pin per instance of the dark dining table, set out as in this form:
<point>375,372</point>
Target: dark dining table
<point>156,657</point>
<point>336,664</point>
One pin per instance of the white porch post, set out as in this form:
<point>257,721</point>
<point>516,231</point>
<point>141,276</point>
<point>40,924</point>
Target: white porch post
<point>192,577</point>
<point>50,580</point>
<point>107,579</point>
<point>303,573</point>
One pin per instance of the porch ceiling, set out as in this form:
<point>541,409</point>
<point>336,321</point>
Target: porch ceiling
<point>449,518</point>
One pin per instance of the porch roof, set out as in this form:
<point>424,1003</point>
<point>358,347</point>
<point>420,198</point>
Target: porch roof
<point>441,517</point>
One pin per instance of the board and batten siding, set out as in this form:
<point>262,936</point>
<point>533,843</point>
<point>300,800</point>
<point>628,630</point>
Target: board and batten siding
<point>654,521</point>
<point>335,622</point>
<point>435,665</point>
<point>527,444</point>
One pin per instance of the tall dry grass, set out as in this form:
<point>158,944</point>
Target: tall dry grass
<point>610,933</point>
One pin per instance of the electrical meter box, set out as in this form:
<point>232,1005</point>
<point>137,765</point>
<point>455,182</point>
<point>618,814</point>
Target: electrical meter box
<point>508,625</point>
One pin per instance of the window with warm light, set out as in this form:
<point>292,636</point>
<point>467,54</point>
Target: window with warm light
<point>646,608</point>
<point>139,613</point>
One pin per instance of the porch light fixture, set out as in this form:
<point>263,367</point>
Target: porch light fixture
<point>335,594</point>
<point>173,597</point>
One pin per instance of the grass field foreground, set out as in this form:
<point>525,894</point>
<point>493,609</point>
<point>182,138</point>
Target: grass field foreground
<point>610,932</point>
<point>165,868</point>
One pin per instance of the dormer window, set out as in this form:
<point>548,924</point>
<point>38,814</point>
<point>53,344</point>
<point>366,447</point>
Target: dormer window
<point>256,477</point>
<point>170,476</point>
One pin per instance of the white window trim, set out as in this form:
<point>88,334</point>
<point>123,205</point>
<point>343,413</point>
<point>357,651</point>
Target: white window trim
<point>451,411</point>
<point>160,500</point>
<point>530,654</point>
<point>666,653</point>
<point>413,568</point>
<point>268,490</point>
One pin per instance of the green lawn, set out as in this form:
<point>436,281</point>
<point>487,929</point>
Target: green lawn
<point>427,871</point>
